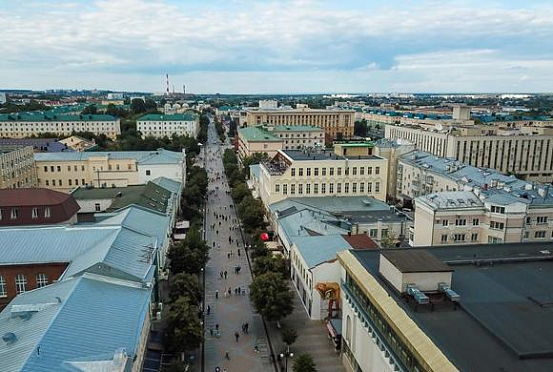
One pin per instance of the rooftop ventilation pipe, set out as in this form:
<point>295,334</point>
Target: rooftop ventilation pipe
<point>420,297</point>
<point>451,294</point>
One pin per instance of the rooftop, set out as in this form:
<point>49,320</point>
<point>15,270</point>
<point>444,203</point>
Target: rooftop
<point>297,128</point>
<point>415,261</point>
<point>35,116</point>
<point>503,321</point>
<point>39,144</point>
<point>187,116</point>
<point>356,144</point>
<point>159,156</point>
<point>256,134</point>
<point>32,197</point>
<point>316,250</point>
<point>451,200</point>
<point>299,155</point>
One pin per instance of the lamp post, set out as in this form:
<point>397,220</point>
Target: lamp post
<point>287,354</point>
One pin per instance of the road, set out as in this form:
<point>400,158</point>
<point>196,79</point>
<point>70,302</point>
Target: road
<point>228,313</point>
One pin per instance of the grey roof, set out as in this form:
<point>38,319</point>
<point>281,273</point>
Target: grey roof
<point>159,156</point>
<point>299,155</point>
<point>168,184</point>
<point>415,261</point>
<point>81,319</point>
<point>308,222</point>
<point>39,144</point>
<point>255,171</point>
<point>504,319</point>
<point>316,250</point>
<point>451,200</point>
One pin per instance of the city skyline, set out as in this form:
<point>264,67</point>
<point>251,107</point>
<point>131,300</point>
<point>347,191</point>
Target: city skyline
<point>292,46</point>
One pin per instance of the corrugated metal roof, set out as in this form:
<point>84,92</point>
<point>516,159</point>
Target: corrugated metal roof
<point>168,184</point>
<point>94,319</point>
<point>318,249</point>
<point>187,116</point>
<point>159,156</point>
<point>33,117</point>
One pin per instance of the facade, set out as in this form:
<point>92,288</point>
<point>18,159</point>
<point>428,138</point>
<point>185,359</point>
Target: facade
<point>157,125</point>
<point>17,167</point>
<point>337,124</point>
<point>255,140</point>
<point>36,207</point>
<point>393,151</point>
<point>438,309</point>
<point>66,171</point>
<point>20,125</point>
<point>294,173</point>
<point>526,151</point>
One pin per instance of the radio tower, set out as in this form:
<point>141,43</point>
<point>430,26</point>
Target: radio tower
<point>167,76</point>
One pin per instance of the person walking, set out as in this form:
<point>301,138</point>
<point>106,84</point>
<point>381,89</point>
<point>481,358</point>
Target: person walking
<point>225,273</point>
<point>247,327</point>
<point>208,309</point>
<point>236,336</point>
<point>216,294</point>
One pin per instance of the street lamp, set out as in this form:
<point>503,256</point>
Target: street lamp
<point>287,354</point>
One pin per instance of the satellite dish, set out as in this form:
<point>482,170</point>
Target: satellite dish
<point>439,126</point>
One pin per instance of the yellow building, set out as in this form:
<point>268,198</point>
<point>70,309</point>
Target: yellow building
<point>254,140</point>
<point>17,167</point>
<point>294,173</point>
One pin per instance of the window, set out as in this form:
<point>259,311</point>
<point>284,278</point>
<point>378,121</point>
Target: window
<point>376,170</point>
<point>475,222</point>
<point>526,234</point>
<point>47,212</point>
<point>539,234</point>
<point>331,188</point>
<point>369,187</point>
<point>51,168</point>
<point>308,172</point>
<point>82,182</point>
<point>47,183</point>
<point>300,172</point>
<point>82,168</point>
<point>459,237</point>
<point>339,171</point>
<point>308,188</point>
<point>445,223</point>
<point>109,167</point>
<point>292,189</point>
<point>277,187</point>
<point>45,168</point>
<point>59,168</point>
<point>70,182</point>
<point>346,187</point>
<point>528,220</point>
<point>377,187</point>
<point>300,188</point>
<point>41,280</point>
<point>316,171</point>
<point>497,225</point>
<point>34,213</point>
<point>148,172</point>
<point>20,283</point>
<point>285,189</point>
<point>444,238</point>
<point>460,222</point>
<point>474,237</point>
<point>61,183</point>
<point>97,207</point>
<point>315,188</point>
<point>354,171</point>
<point>75,168</point>
<point>494,240</point>
<point>373,233</point>
<point>76,182</point>
<point>293,172</point>
<point>15,213</point>
<point>369,170</point>
<point>323,171</point>
<point>3,291</point>
<point>331,171</point>
<point>323,188</point>
<point>362,187</point>
<point>354,187</point>
<point>361,171</point>
<point>496,209</point>
<point>53,182</point>
<point>69,168</point>
<point>541,220</point>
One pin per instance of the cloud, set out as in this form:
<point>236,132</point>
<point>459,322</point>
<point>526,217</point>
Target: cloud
<point>144,39</point>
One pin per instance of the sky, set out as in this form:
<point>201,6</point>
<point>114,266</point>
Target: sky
<point>278,46</point>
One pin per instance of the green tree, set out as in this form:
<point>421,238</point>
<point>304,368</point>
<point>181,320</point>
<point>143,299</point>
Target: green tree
<point>360,128</point>
<point>185,331</point>
<point>138,106</point>
<point>189,255</point>
<point>90,110</point>
<point>271,296</point>
<point>304,363</point>
<point>289,336</point>
<point>255,158</point>
<point>185,285</point>
<point>239,192</point>
<point>265,264</point>
<point>251,212</point>
<point>150,105</point>
<point>388,241</point>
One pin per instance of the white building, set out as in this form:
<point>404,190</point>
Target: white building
<point>157,125</point>
<point>115,96</point>
<point>3,98</point>
<point>20,125</point>
<point>267,104</point>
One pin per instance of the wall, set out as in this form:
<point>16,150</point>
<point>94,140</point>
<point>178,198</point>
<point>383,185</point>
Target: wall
<point>17,168</point>
<point>424,226</point>
<point>175,172</point>
<point>89,205</point>
<point>426,281</point>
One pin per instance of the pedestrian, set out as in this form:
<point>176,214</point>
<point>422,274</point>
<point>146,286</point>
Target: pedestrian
<point>208,309</point>
<point>216,326</point>
<point>236,336</point>
<point>217,294</point>
<point>217,232</point>
<point>228,255</point>
<point>256,348</point>
<point>227,355</point>
<point>221,274</point>
<point>238,252</point>
<point>229,291</point>
<point>225,273</point>
<point>238,290</point>
<point>247,327</point>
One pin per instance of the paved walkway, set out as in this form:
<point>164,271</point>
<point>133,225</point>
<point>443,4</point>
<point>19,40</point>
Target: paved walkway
<point>312,339</point>
<point>229,313</point>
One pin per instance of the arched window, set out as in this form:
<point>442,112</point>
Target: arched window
<point>20,283</point>
<point>41,280</point>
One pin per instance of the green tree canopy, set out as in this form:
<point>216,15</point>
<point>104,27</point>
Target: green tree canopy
<point>90,110</point>
<point>271,296</point>
<point>304,363</point>
<point>185,285</point>
<point>289,336</point>
<point>189,255</point>
<point>138,106</point>
<point>265,264</point>
<point>185,331</point>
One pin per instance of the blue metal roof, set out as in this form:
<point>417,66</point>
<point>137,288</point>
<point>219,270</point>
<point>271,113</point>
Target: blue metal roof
<point>255,171</point>
<point>168,184</point>
<point>81,319</point>
<point>159,156</point>
<point>318,249</point>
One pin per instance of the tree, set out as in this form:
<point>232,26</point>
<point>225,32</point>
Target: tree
<point>289,336</point>
<point>251,212</point>
<point>138,106</point>
<point>388,241</point>
<point>271,296</point>
<point>360,128</point>
<point>150,105</point>
<point>304,363</point>
<point>185,285</point>
<point>185,331</point>
<point>189,255</point>
<point>255,158</point>
<point>264,264</point>
<point>239,192</point>
<point>90,110</point>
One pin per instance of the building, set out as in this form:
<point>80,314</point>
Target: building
<point>3,98</point>
<point>20,125</point>
<point>270,139</point>
<point>526,151</point>
<point>65,171</point>
<point>26,206</point>
<point>267,104</point>
<point>337,124</point>
<point>393,151</point>
<point>17,167</point>
<point>38,144</point>
<point>79,144</point>
<point>473,308</point>
<point>157,125</point>
<point>321,173</point>
<point>115,96</point>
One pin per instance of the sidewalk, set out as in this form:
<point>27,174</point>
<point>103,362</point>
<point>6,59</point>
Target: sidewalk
<point>228,312</point>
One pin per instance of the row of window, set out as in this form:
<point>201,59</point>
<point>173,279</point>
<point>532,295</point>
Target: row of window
<point>21,283</point>
<point>537,234</point>
<point>74,168</point>
<point>338,171</point>
<point>323,188</point>
<point>461,222</point>
<point>15,213</point>
<point>459,237</point>
<point>60,182</point>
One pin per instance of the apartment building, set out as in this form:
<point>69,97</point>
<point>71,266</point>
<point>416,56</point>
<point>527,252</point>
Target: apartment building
<point>20,125</point>
<point>337,124</point>
<point>17,167</point>
<point>65,171</point>
<point>255,140</point>
<point>446,309</point>
<point>393,151</point>
<point>157,125</point>
<point>526,151</point>
<point>321,173</point>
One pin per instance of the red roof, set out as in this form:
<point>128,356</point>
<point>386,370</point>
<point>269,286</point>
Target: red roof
<point>31,197</point>
<point>360,241</point>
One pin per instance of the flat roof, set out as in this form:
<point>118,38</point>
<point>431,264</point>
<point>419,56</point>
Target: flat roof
<point>256,134</point>
<point>356,144</point>
<point>297,128</point>
<point>503,322</point>
<point>415,261</point>
<point>323,155</point>
<point>187,116</point>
